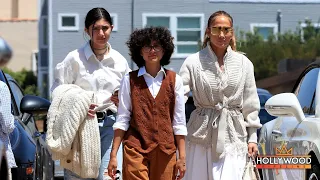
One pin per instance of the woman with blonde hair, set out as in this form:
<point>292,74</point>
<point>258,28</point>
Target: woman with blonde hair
<point>222,128</point>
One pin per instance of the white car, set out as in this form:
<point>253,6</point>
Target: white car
<point>297,126</point>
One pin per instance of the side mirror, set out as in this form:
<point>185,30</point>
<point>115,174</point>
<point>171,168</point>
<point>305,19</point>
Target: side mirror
<point>34,105</point>
<point>285,104</point>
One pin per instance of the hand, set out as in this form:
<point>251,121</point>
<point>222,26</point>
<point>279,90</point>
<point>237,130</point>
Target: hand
<point>114,98</point>
<point>112,167</point>
<point>252,149</point>
<point>91,111</point>
<point>181,167</point>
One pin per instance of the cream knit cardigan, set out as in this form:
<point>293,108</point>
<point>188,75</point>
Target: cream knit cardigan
<point>72,136</point>
<point>227,103</point>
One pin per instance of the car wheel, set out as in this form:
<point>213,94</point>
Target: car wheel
<point>314,173</point>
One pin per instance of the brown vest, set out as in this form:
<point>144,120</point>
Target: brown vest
<point>151,118</point>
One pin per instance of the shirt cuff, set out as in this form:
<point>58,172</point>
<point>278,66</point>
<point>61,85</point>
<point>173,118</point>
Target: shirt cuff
<point>180,130</point>
<point>252,135</point>
<point>120,125</point>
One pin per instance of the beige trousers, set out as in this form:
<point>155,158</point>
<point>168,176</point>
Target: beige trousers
<point>155,165</point>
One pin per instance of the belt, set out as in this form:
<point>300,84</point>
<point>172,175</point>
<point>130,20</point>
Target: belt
<point>102,114</point>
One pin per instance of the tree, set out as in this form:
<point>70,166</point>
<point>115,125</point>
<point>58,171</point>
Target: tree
<point>26,80</point>
<point>266,55</point>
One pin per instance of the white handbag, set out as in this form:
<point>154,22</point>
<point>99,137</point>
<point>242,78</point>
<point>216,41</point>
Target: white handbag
<point>251,171</point>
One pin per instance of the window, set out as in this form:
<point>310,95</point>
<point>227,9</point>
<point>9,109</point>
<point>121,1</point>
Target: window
<point>68,22</point>
<point>34,57</point>
<point>114,18</point>
<point>308,31</point>
<point>17,93</point>
<point>264,29</point>
<point>42,79</point>
<point>44,32</point>
<point>187,30</point>
<point>306,90</point>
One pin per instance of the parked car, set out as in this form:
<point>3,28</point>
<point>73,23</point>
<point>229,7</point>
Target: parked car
<point>3,162</point>
<point>263,94</point>
<point>297,125</point>
<point>28,144</point>
<point>264,116</point>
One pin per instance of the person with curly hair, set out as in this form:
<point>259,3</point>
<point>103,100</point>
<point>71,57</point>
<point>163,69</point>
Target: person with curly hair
<point>151,113</point>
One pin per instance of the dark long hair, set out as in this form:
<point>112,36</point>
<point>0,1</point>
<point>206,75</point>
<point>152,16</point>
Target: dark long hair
<point>210,20</point>
<point>95,15</point>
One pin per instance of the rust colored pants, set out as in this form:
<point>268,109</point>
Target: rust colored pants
<point>155,165</point>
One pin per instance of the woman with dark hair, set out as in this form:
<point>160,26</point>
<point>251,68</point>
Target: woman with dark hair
<point>99,68</point>
<point>222,129</point>
<point>151,118</point>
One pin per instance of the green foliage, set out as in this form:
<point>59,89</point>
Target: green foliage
<point>26,80</point>
<point>266,55</point>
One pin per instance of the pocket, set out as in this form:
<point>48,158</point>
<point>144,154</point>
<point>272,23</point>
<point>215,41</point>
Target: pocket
<point>109,121</point>
<point>198,125</point>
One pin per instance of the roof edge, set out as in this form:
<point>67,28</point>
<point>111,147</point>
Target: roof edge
<point>18,19</point>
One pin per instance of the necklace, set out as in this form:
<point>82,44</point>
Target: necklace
<point>100,48</point>
<point>101,54</point>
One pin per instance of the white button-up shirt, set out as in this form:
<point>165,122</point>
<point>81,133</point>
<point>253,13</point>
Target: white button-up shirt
<point>154,84</point>
<point>82,68</point>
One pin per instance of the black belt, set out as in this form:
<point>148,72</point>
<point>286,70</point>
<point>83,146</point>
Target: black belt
<point>102,114</point>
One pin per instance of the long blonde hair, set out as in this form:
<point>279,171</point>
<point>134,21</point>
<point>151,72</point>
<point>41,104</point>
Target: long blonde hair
<point>210,20</point>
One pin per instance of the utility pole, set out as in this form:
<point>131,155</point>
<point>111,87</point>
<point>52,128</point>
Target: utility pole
<point>279,16</point>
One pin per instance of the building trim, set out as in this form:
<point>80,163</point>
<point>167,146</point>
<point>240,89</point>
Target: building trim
<point>18,20</point>
<point>64,28</point>
<point>115,21</point>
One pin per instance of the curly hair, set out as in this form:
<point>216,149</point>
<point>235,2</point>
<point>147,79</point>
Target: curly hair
<point>143,37</point>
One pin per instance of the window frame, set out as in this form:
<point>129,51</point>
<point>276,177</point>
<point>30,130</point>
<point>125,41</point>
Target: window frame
<point>264,25</point>
<point>297,90</point>
<point>173,27</point>
<point>64,28</point>
<point>303,25</point>
<point>114,17</point>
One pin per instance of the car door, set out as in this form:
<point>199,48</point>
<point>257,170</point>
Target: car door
<point>289,132</point>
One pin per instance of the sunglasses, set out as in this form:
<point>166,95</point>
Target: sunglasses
<point>156,48</point>
<point>225,30</point>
